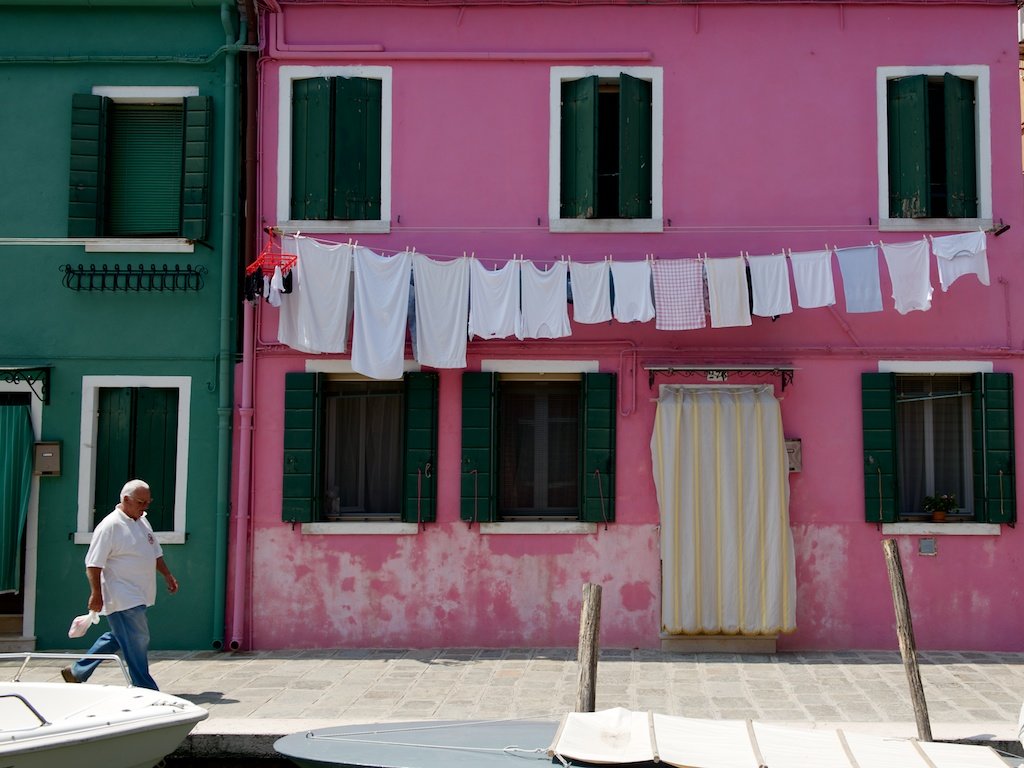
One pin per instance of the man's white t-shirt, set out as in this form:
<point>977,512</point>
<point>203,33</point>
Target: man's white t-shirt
<point>127,551</point>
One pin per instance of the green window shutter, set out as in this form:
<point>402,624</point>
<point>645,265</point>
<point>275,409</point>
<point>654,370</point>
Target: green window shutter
<point>909,176</point>
<point>479,438</point>
<point>878,410</point>
<point>998,480</point>
<point>635,100</point>
<point>155,450</point>
<point>113,448</point>
<point>87,186</point>
<point>600,406</point>
<point>357,148</point>
<point>311,148</point>
<point>144,169</point>
<point>961,162</point>
<point>579,149</point>
<point>419,502</point>
<point>195,180</point>
<point>300,488</point>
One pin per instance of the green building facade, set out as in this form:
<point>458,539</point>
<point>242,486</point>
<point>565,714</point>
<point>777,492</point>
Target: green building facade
<point>119,238</point>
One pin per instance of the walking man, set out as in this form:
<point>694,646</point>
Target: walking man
<point>122,582</point>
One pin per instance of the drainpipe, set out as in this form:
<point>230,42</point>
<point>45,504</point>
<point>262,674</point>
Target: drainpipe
<point>227,282</point>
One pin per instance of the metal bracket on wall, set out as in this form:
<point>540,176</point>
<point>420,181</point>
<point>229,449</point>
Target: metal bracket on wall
<point>721,373</point>
<point>141,279</point>
<point>31,376</point>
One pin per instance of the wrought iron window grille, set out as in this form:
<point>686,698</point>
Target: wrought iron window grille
<point>129,279</point>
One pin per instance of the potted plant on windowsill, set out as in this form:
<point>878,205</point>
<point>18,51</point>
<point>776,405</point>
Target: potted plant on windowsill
<point>940,505</point>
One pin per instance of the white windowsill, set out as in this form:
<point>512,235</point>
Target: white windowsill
<point>318,226</point>
<point>942,529</point>
<point>139,245</point>
<point>343,528</point>
<point>162,537</point>
<point>538,528</point>
<point>933,225</point>
<point>605,225</point>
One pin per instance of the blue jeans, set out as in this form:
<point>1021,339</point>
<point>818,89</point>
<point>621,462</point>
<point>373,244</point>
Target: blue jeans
<point>129,633</point>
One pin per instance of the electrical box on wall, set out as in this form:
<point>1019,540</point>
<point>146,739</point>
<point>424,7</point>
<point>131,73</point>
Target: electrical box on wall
<point>46,462</point>
<point>794,455</point>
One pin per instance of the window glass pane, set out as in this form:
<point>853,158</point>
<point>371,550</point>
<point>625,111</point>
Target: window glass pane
<point>363,449</point>
<point>934,441</point>
<point>145,166</point>
<point>538,448</point>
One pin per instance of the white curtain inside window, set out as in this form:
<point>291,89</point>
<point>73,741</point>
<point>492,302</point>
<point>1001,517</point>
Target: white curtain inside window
<point>721,476</point>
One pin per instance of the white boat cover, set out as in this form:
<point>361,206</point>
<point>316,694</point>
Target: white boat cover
<point>615,736</point>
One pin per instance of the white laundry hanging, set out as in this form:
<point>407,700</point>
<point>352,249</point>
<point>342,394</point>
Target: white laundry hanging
<point>812,276</point>
<point>959,255</point>
<point>909,274</point>
<point>591,292</point>
<point>381,313</point>
<point>634,302</point>
<point>494,301</point>
<point>728,297</point>
<point>314,316</point>
<point>769,280</point>
<point>442,311</point>
<point>545,303</point>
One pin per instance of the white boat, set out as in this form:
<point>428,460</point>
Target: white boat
<point>617,737</point>
<point>46,724</point>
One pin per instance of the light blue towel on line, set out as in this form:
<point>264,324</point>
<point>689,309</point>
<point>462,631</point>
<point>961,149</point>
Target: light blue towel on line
<point>859,267</point>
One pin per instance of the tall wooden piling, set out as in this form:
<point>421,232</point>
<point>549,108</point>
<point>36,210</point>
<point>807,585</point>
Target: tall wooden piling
<point>589,648</point>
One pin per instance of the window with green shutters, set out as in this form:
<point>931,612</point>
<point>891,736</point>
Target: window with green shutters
<point>139,169</point>
<point>606,148</point>
<point>935,434</point>
<point>937,142</point>
<point>336,148</point>
<point>538,448</point>
<point>136,437</point>
<point>357,449</point>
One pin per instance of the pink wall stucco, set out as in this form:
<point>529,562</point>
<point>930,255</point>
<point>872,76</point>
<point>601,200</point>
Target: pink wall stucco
<point>770,143</point>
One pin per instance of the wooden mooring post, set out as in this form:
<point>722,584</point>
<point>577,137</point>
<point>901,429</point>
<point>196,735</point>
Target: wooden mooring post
<point>905,632</point>
<point>590,630</point>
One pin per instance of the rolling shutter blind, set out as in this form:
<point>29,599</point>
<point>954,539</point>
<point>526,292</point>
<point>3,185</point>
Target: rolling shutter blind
<point>88,165</point>
<point>300,488</point>
<point>195,181</point>
<point>357,150</point>
<point>479,481</point>
<point>311,148</point>
<point>961,165</point>
<point>909,177</point>
<point>878,404</point>
<point>597,501</point>
<point>144,175</point>
<point>419,502</point>
<point>1000,500</point>
<point>634,148</point>
<point>579,149</point>
<point>113,448</point>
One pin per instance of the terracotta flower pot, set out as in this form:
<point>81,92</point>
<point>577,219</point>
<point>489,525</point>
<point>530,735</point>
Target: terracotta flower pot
<point>938,516</point>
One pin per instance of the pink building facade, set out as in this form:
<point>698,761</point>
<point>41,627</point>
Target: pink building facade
<point>722,130</point>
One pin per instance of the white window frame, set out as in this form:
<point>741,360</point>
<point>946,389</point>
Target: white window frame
<point>87,450</point>
<point>286,76</point>
<point>938,366</point>
<point>983,136</point>
<point>557,224</point>
<point>142,94</point>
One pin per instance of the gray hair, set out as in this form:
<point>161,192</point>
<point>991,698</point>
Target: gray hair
<point>131,487</point>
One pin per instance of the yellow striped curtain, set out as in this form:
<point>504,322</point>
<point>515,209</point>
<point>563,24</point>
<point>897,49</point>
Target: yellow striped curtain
<point>722,480</point>
<point>15,483</point>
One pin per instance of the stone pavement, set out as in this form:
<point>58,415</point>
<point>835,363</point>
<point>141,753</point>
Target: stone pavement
<point>255,697</point>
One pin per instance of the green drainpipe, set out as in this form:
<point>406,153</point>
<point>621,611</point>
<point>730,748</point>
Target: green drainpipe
<point>225,359</point>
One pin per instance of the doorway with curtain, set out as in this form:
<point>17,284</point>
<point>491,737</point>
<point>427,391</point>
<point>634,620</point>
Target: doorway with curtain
<point>721,475</point>
<point>16,440</point>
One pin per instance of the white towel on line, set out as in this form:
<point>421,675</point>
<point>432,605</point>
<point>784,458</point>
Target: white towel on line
<point>442,311</point>
<point>812,275</point>
<point>728,297</point>
<point>494,301</point>
<point>861,287</point>
<point>591,292</point>
<point>909,273</point>
<point>631,281</point>
<point>769,280</point>
<point>545,301</point>
<point>381,313</point>
<point>314,316</point>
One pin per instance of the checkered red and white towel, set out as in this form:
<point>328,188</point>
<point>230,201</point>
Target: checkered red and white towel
<point>679,294</point>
